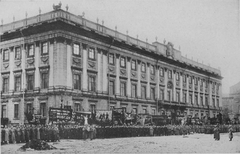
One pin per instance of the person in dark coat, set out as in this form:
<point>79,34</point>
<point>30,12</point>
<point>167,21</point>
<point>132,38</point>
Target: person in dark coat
<point>216,133</point>
<point>230,132</point>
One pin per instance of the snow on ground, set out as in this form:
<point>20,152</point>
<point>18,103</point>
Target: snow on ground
<point>194,143</point>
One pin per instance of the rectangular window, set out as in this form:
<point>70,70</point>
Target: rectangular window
<point>190,99</point>
<point>152,96</point>
<point>44,80</point>
<point>77,81</point>
<point>177,97</point>
<point>196,81</point>
<point>16,111</point>
<point>17,83</point>
<point>213,101</point>
<point>184,97</point>
<point>44,48</point>
<point>143,92</point>
<point>169,74</point>
<point>201,98</point>
<point>17,53</point>
<point>111,59</point>
<point>93,107</point>
<point>4,111</point>
<point>30,81</point>
<point>206,101</point>
<point>133,66</point>
<point>169,95</point>
<point>184,78</point>
<point>43,109</point>
<point>76,49</point>
<point>29,108</point>
<point>111,87</point>
<point>30,51</point>
<point>143,67</point>
<point>152,70</point>
<point>196,99</point>
<point>123,62</point>
<point>161,72</point>
<point>77,107</point>
<point>206,85</point>
<point>190,79</point>
<point>161,94</point>
<point>123,88</point>
<point>201,82</point>
<point>5,84</point>
<point>91,83</point>
<point>134,90</point>
<point>5,55</point>
<point>217,102</point>
<point>177,76</point>
<point>91,53</point>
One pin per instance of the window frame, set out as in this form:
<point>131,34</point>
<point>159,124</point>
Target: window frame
<point>133,65</point>
<point>19,55</point>
<point>143,94</point>
<point>143,67</point>
<point>134,90</point>
<point>177,76</point>
<point>91,50</point>
<point>79,49</point>
<point>28,53</point>
<point>44,85</point>
<point>6,56</point>
<point>161,72</point>
<point>121,62</point>
<point>112,87</point>
<point>91,83</point>
<point>5,86</point>
<point>169,74</point>
<point>152,93</point>
<point>123,88</point>
<point>4,111</point>
<point>28,81</point>
<point>42,48</point>
<point>76,85</point>
<point>16,111</point>
<point>111,56</point>
<point>152,70</point>
<point>16,86</point>
<point>161,95</point>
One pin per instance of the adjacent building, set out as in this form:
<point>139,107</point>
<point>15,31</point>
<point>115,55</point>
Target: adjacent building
<point>61,59</point>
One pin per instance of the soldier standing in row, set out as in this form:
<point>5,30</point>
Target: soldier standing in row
<point>230,131</point>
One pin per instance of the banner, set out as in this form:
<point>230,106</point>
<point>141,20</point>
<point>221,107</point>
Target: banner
<point>60,114</point>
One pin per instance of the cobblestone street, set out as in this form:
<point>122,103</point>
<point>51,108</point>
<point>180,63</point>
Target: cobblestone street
<point>194,143</point>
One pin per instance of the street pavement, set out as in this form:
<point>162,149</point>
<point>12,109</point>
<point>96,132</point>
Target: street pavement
<point>193,143</point>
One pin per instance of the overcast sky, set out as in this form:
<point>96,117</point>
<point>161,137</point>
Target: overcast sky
<point>205,30</point>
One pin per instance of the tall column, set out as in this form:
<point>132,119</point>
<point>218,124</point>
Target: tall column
<point>128,69</point>
<point>139,79</point>
<point>117,74</point>
<point>21,104</point>
<point>69,61</point>
<point>37,58</point>
<point>181,86</point>
<point>100,70</point>
<point>148,81</point>
<point>165,83</point>
<point>51,53</point>
<point>174,85</point>
<point>158,82</point>
<point>85,76</point>
<point>105,70</point>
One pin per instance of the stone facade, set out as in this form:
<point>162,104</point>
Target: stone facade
<point>74,62</point>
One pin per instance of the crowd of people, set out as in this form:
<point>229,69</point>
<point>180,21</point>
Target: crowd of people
<point>25,133</point>
<point>52,133</point>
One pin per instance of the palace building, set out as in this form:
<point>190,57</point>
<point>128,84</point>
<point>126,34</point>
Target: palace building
<point>61,59</point>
